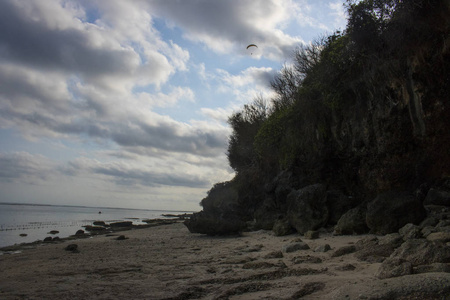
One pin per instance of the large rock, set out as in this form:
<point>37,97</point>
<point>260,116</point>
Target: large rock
<point>390,211</point>
<point>413,253</point>
<point>222,214</point>
<point>307,208</point>
<point>338,204</point>
<point>437,197</point>
<point>282,227</point>
<point>352,222</point>
<point>266,215</point>
<point>212,224</point>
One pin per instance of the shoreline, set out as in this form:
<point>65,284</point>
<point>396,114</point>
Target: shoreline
<point>109,230</point>
<point>168,262</point>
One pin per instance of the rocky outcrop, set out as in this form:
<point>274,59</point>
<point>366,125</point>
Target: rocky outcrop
<point>390,211</point>
<point>212,224</point>
<point>307,209</point>
<point>352,222</point>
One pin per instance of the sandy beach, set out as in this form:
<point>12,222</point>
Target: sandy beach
<point>168,262</point>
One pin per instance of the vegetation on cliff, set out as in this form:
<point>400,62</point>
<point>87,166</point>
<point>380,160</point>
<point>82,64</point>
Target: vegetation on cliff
<point>362,111</point>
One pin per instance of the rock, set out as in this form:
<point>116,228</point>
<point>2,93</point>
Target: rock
<point>23,234</point>
<point>212,224</point>
<point>306,259</point>
<point>429,221</point>
<point>347,267</point>
<point>56,239</point>
<point>295,247</point>
<point>311,234</point>
<point>72,248</point>
<point>79,232</point>
<point>308,289</point>
<point>338,204</point>
<point>258,265</point>
<point>390,211</point>
<point>437,197</point>
<point>427,230</point>
<point>94,228</point>
<point>410,231</point>
<point>48,239</point>
<point>53,232</point>
<point>375,253</point>
<point>393,239</point>
<point>344,251</point>
<point>266,215</point>
<point>421,251</point>
<point>99,223</point>
<point>436,267</point>
<point>411,254</point>
<point>352,222</point>
<point>419,286</point>
<point>254,248</point>
<point>323,248</point>
<point>121,238</point>
<point>282,227</point>
<point>442,237</point>
<point>307,209</point>
<point>121,224</point>
<point>394,268</point>
<point>275,254</point>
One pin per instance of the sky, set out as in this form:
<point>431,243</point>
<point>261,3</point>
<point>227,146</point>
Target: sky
<point>114,103</point>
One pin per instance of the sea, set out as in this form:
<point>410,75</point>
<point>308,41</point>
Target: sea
<point>26,223</point>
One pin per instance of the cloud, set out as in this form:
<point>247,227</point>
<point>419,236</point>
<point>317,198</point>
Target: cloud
<point>62,76</point>
<point>25,167</point>
<point>139,171</point>
<point>232,27</point>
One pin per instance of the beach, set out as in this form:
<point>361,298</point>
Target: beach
<point>168,262</point>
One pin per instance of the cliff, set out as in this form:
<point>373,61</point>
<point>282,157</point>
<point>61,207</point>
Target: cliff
<point>361,126</point>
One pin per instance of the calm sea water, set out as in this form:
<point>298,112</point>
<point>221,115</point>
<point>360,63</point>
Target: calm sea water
<point>36,221</point>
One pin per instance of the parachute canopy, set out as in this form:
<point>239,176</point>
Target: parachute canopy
<point>252,45</point>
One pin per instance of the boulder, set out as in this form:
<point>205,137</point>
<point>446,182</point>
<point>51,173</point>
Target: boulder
<point>410,231</point>
<point>440,236</point>
<point>352,222</point>
<point>307,209</point>
<point>323,248</point>
<point>295,247</point>
<point>266,215</point>
<point>338,204</point>
<point>412,254</point>
<point>437,197</point>
<point>79,232</point>
<point>390,211</point>
<point>72,248</point>
<point>393,239</point>
<point>311,234</point>
<point>344,251</point>
<point>282,227</point>
<point>99,223</point>
<point>394,267</point>
<point>212,224</point>
<point>121,224</point>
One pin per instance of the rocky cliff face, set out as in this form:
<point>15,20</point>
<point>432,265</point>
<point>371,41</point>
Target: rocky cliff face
<point>394,142</point>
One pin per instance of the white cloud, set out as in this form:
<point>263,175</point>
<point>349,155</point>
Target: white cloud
<point>233,26</point>
<point>94,73</point>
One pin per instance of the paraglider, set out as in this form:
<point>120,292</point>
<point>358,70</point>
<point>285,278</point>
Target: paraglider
<point>251,45</point>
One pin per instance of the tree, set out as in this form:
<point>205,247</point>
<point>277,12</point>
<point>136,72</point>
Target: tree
<point>245,125</point>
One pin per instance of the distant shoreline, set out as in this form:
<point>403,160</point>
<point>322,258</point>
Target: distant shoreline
<point>96,207</point>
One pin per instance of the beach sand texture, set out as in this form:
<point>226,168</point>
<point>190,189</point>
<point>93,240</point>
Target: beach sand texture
<point>168,262</point>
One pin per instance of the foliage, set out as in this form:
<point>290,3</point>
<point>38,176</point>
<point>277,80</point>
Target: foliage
<point>245,125</point>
